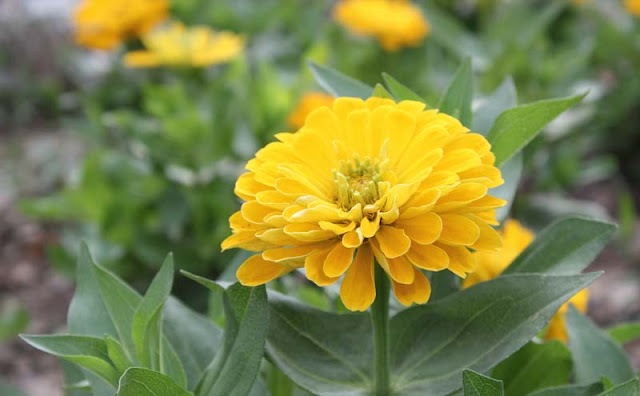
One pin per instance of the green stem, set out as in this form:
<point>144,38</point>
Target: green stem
<point>380,320</point>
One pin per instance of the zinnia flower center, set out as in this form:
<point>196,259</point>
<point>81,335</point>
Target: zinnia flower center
<point>359,182</point>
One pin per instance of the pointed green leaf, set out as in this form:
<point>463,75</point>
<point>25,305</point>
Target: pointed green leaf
<point>629,388</point>
<point>337,84</point>
<point>595,355</point>
<point>565,247</point>
<point>516,127</point>
<point>399,90</point>
<point>235,367</point>
<point>195,344</point>
<point>534,367</point>
<point>325,353</point>
<point>146,329</point>
<point>88,352</point>
<point>475,329</point>
<point>456,101</point>
<point>571,390</point>
<point>144,382</point>
<point>503,98</point>
<point>208,283</point>
<point>476,384</point>
<point>170,363</point>
<point>117,355</point>
<point>625,332</point>
<point>380,92</point>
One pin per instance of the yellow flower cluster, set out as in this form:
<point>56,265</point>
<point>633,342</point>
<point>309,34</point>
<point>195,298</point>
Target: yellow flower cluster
<point>309,102</point>
<point>395,23</point>
<point>515,239</point>
<point>104,24</point>
<point>364,181</point>
<point>175,45</point>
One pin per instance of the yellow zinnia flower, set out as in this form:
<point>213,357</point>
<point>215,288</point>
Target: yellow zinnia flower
<point>309,102</point>
<point>395,23</point>
<point>515,239</point>
<point>370,179</point>
<point>176,45</point>
<point>103,24</point>
<point>632,7</point>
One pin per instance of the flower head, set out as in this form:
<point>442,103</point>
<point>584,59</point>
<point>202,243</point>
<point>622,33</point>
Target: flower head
<point>104,24</point>
<point>367,180</point>
<point>515,239</point>
<point>309,102</point>
<point>395,23</point>
<point>176,45</point>
<point>632,7</point>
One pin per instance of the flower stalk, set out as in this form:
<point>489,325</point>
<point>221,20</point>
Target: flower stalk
<point>380,320</point>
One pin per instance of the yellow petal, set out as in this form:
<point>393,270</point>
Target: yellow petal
<point>417,292</point>
<point>245,240</point>
<point>424,229</point>
<point>255,213</point>
<point>421,203</point>
<point>485,203</point>
<point>238,223</point>
<point>313,268</point>
<point>337,261</point>
<point>458,161</point>
<point>460,196</point>
<point>338,229</point>
<point>489,239</point>
<point>401,270</point>
<point>461,260</point>
<point>314,215</point>
<point>291,253</point>
<point>247,187</point>
<point>428,257</point>
<point>273,199</point>
<point>473,141</point>
<point>258,271</point>
<point>393,241</point>
<point>142,59</point>
<point>458,230</point>
<point>352,239</point>
<point>358,290</point>
<point>307,232</point>
<point>369,227</point>
<point>276,236</point>
<point>488,175</point>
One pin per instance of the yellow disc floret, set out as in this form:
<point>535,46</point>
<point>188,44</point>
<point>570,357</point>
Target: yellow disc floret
<point>364,182</point>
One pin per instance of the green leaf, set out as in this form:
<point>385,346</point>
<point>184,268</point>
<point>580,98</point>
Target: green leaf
<point>503,98</point>
<point>379,91</point>
<point>325,353</point>
<point>475,329</point>
<point>475,384</point>
<point>534,367</point>
<point>571,390</point>
<point>516,127</point>
<point>625,332</point>
<point>117,355</point>
<point>121,302</point>
<point>399,90</point>
<point>337,84</point>
<point>208,283</point>
<point>629,388</point>
<point>88,352</point>
<point>456,101</point>
<point>195,344</point>
<point>595,355</point>
<point>87,313</point>
<point>146,328</point>
<point>144,382</point>
<point>564,247</point>
<point>235,367</point>
<point>511,173</point>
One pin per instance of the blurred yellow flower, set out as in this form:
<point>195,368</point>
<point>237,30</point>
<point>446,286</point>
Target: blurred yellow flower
<point>633,7</point>
<point>309,102</point>
<point>515,239</point>
<point>175,45</point>
<point>104,24</point>
<point>395,23</point>
<point>367,180</point>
